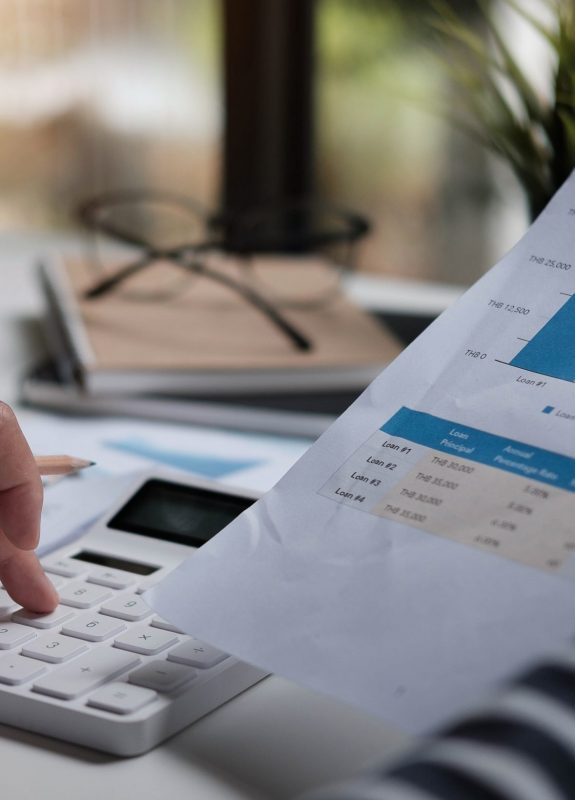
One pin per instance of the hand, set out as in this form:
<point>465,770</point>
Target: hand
<point>20,506</point>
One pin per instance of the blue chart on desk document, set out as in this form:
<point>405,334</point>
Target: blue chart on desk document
<point>437,513</point>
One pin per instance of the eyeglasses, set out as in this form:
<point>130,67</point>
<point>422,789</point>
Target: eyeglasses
<point>135,230</point>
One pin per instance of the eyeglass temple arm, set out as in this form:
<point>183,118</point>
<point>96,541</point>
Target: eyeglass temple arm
<point>300,341</point>
<point>107,284</point>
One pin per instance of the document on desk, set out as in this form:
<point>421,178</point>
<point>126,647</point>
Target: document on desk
<point>124,448</point>
<point>423,549</point>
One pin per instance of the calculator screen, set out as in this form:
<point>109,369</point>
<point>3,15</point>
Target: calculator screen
<point>178,513</point>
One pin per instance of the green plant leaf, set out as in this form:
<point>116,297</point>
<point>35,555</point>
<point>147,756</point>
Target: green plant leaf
<point>536,24</point>
<point>523,89</point>
<point>499,105</point>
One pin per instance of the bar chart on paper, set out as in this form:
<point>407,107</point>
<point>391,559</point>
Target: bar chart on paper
<point>465,484</point>
<point>550,352</point>
<point>462,481</point>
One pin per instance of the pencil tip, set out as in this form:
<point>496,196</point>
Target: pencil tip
<point>82,463</point>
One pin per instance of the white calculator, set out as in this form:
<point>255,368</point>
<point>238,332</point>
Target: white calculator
<point>103,670</point>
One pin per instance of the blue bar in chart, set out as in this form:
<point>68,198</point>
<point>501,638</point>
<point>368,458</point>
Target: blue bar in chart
<point>552,350</point>
<point>208,465</point>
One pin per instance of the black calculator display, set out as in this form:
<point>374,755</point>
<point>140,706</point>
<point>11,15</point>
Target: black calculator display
<point>178,513</point>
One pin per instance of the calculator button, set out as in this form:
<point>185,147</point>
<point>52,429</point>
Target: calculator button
<point>13,635</point>
<point>18,669</point>
<point>54,648</point>
<point>128,607</point>
<point>67,567</point>
<point>197,654</point>
<point>162,676</point>
<point>88,672</point>
<point>7,605</point>
<point>146,641</point>
<point>113,578</point>
<point>43,621</point>
<point>83,595</point>
<point>121,698</point>
<point>158,622</point>
<point>93,627</point>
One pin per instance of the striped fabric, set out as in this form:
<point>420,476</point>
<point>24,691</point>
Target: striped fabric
<point>521,747</point>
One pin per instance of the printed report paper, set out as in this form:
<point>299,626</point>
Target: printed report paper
<point>423,549</point>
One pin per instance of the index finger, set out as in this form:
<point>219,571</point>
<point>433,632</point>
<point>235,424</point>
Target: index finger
<point>20,484</point>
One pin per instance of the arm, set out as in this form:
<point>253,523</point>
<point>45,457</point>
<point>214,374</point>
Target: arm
<point>519,746</point>
<point>20,506</point>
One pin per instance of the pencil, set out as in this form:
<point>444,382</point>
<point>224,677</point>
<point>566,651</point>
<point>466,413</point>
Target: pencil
<point>60,465</point>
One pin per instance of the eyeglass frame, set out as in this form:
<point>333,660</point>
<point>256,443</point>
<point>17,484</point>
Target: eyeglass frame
<point>358,226</point>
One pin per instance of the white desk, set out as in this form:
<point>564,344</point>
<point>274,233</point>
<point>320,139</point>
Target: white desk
<point>273,741</point>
